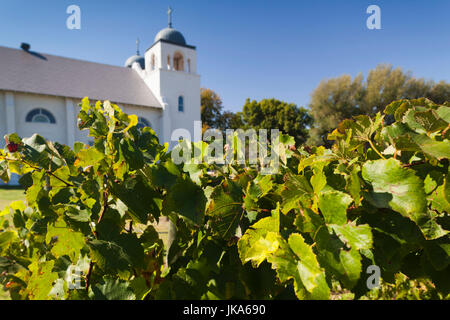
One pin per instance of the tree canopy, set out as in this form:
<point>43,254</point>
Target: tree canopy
<point>275,114</point>
<point>211,108</point>
<point>343,97</point>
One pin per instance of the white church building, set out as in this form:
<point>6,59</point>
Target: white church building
<point>40,93</point>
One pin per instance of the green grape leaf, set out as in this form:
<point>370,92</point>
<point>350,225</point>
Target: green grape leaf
<point>397,226</point>
<point>397,188</point>
<point>225,208</point>
<point>311,274</point>
<point>404,139</point>
<point>118,254</point>
<point>362,127</point>
<point>163,175</point>
<point>259,187</point>
<point>308,221</point>
<point>4,171</point>
<point>260,239</point>
<point>318,182</point>
<point>139,197</point>
<point>111,289</point>
<point>358,237</point>
<point>262,245</point>
<point>89,157</point>
<point>35,150</point>
<point>132,155</point>
<point>296,190</point>
<point>187,199</point>
<point>438,252</point>
<point>430,121</point>
<point>351,262</point>
<point>444,113</point>
<point>285,264</point>
<point>41,280</point>
<point>6,238</point>
<point>65,241</point>
<point>354,186</point>
<point>333,205</point>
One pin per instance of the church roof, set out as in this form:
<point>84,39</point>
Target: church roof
<point>52,75</point>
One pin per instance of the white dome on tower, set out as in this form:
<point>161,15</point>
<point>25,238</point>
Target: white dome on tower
<point>133,59</point>
<point>171,35</point>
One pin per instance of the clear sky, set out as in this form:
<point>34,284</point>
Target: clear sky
<point>246,49</point>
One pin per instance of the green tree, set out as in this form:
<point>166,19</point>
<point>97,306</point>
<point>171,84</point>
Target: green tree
<point>332,101</point>
<point>440,92</point>
<point>230,120</point>
<point>339,98</point>
<point>211,108</point>
<point>275,114</point>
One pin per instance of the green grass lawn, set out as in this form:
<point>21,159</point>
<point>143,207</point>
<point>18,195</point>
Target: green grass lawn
<point>9,195</point>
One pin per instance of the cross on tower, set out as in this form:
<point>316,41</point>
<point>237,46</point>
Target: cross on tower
<point>170,16</point>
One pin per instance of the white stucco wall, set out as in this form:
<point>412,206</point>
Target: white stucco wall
<point>156,50</point>
<point>25,102</point>
<point>2,119</point>
<point>175,84</point>
<point>163,50</point>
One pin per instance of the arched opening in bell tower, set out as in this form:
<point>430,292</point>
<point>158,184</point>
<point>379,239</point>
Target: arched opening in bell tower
<point>178,61</point>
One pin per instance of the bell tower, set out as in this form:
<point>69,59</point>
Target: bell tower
<point>171,73</point>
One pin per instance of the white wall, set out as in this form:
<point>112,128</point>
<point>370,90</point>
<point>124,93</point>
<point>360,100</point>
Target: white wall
<point>2,119</point>
<point>174,84</point>
<point>156,50</point>
<point>25,102</point>
<point>162,50</point>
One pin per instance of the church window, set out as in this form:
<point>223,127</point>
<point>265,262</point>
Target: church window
<point>40,116</point>
<point>178,61</point>
<point>168,62</point>
<point>180,104</point>
<point>142,123</point>
<point>189,65</point>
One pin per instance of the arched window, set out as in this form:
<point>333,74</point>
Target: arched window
<point>180,104</point>
<point>153,62</point>
<point>142,123</point>
<point>168,62</point>
<point>40,116</point>
<point>189,65</point>
<point>178,61</point>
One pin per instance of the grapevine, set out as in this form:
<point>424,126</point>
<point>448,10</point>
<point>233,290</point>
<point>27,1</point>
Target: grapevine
<point>380,196</point>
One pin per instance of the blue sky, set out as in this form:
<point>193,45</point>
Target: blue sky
<point>247,49</point>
